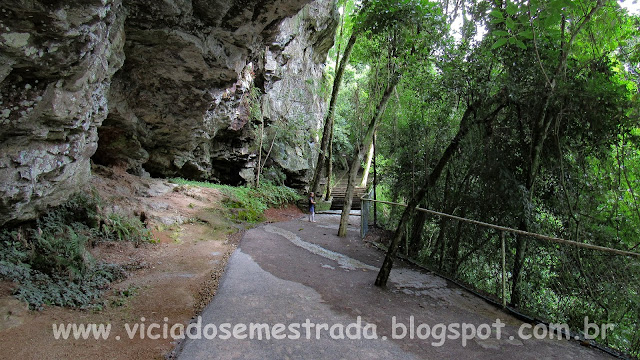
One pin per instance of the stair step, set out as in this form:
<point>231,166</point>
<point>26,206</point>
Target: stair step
<point>339,191</point>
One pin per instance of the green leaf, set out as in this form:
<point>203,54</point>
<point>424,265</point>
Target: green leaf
<point>523,18</point>
<point>527,34</point>
<point>501,33</point>
<point>567,4</point>
<point>521,45</point>
<point>497,14</point>
<point>556,5</point>
<point>499,42</point>
<point>553,19</point>
<point>512,9</point>
<point>510,23</point>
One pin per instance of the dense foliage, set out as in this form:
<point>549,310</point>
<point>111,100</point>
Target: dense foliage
<point>529,118</point>
<point>49,259</point>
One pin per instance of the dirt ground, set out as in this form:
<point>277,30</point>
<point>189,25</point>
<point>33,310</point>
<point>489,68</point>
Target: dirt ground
<point>287,213</point>
<point>168,282</point>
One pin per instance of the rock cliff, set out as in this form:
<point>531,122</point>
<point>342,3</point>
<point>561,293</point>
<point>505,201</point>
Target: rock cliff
<point>167,88</point>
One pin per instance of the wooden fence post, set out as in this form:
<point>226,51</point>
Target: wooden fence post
<point>504,271</point>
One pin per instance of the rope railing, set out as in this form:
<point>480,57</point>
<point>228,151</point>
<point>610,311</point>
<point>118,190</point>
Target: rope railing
<point>560,283</point>
<point>514,231</point>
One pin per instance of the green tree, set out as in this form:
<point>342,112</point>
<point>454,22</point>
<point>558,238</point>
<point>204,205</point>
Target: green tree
<point>401,25</point>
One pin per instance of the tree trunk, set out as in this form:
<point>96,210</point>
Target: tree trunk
<point>454,251</point>
<point>258,169</point>
<point>415,241</point>
<point>327,195</point>
<point>328,124</point>
<point>540,132</point>
<point>367,166</point>
<point>409,212</point>
<point>465,125</point>
<point>348,198</point>
<point>366,142</point>
<point>518,262</point>
<point>440,242</point>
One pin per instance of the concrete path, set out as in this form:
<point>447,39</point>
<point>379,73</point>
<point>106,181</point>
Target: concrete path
<point>312,294</point>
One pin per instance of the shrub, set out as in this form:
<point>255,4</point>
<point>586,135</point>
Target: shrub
<point>39,289</point>
<point>49,259</point>
<point>61,250</point>
<point>54,271</point>
<point>118,227</point>
<point>248,203</point>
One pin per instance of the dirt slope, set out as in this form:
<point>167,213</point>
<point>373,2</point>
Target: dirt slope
<point>168,282</point>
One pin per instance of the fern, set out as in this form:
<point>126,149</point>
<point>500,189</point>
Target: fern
<point>118,227</point>
<point>50,261</point>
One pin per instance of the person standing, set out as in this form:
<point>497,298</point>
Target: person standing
<point>312,207</point>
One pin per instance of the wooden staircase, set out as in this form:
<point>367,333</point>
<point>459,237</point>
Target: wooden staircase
<point>339,191</point>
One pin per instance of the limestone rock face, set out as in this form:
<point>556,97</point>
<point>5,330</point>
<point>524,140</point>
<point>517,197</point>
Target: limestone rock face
<point>56,63</point>
<point>295,91</point>
<point>167,88</point>
<point>193,75</point>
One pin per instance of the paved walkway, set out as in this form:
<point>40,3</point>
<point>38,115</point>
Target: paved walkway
<point>285,273</point>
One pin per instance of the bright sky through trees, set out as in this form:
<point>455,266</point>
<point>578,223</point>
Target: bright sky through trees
<point>633,6</point>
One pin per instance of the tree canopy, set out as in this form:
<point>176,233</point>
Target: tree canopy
<point>530,119</point>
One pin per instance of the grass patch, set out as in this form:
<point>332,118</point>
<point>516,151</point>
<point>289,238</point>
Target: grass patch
<point>247,204</point>
<point>49,260</point>
<point>121,296</point>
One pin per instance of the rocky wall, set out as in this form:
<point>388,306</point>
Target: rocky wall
<point>167,88</point>
<point>56,63</point>
<point>192,77</point>
<point>296,94</point>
